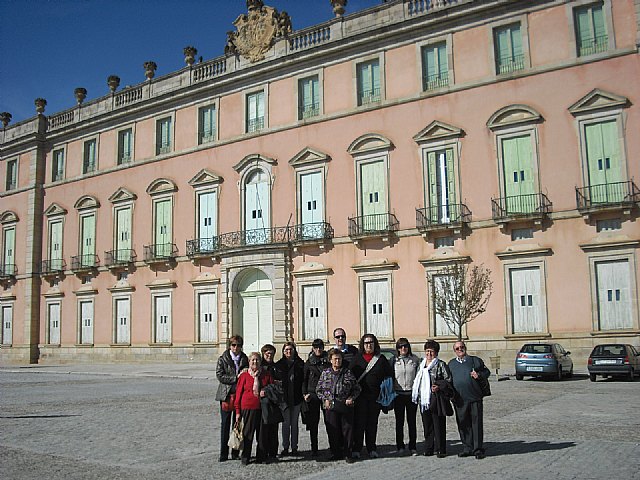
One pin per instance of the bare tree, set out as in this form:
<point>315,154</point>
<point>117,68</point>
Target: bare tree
<point>461,292</point>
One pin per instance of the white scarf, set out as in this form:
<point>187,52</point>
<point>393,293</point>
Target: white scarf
<point>421,391</point>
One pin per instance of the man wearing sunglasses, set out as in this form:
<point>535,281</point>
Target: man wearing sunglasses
<point>465,370</point>
<point>348,351</point>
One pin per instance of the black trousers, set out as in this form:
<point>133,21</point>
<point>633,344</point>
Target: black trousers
<point>312,417</point>
<point>367,412</point>
<point>469,419</point>
<point>252,421</point>
<point>402,404</point>
<point>340,432</point>
<point>227,419</point>
<point>435,432</point>
<point>268,440</point>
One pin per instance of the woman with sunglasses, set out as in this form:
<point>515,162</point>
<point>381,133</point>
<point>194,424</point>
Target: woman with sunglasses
<point>229,367</point>
<point>290,370</point>
<point>405,367</point>
<point>317,362</point>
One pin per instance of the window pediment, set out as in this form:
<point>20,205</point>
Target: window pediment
<point>308,156</point>
<point>254,157</point>
<point>436,131</point>
<point>370,142</point>
<point>514,115</point>
<point>598,99</point>
<point>86,201</point>
<point>122,195</point>
<point>205,177</point>
<point>375,264</point>
<point>8,217</point>
<point>55,209</point>
<point>161,185</point>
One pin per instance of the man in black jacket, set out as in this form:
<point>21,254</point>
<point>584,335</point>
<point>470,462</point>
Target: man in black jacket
<point>348,351</point>
<point>229,366</point>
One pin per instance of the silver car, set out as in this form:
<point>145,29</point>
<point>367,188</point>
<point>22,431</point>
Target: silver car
<point>543,360</point>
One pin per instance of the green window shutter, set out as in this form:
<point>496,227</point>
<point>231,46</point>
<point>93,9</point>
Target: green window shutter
<point>55,244</point>
<point>123,229</point>
<point>595,160</point>
<point>511,174</point>
<point>583,28</point>
<point>260,104</point>
<point>88,235</point>
<point>451,178</point>
<point>9,246</point>
<point>598,22</point>
<point>375,74</point>
<point>503,49</point>
<point>443,62</point>
<point>432,173</point>
<point>516,42</point>
<point>525,164</point>
<point>431,56</point>
<point>315,92</point>
<point>612,162</point>
<point>363,77</point>
<point>163,227</point>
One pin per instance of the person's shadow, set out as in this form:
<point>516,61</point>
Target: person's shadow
<point>521,447</point>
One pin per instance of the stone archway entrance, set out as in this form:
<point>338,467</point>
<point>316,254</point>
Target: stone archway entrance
<point>254,309</point>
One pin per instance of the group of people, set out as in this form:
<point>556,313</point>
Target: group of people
<point>348,387</point>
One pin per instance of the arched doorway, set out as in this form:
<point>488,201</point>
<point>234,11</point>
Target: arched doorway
<point>254,307</point>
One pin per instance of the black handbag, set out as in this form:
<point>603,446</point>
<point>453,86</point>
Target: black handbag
<point>483,383</point>
<point>339,406</point>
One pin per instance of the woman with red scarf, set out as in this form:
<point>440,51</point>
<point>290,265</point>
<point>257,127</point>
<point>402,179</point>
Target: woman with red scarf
<point>248,394</point>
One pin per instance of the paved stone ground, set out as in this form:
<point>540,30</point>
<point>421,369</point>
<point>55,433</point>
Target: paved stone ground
<point>160,422</point>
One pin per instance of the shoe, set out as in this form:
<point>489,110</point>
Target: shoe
<point>465,454</point>
<point>355,455</point>
<point>314,453</point>
<point>235,455</point>
<point>373,454</point>
<point>413,452</point>
<point>480,456</point>
<point>284,452</point>
<point>245,461</point>
<point>272,460</point>
<point>441,455</point>
<point>350,460</point>
<point>294,452</point>
<point>428,454</point>
<point>222,459</point>
<point>335,458</point>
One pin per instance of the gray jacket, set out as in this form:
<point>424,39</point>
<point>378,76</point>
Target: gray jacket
<point>226,374</point>
<point>404,372</point>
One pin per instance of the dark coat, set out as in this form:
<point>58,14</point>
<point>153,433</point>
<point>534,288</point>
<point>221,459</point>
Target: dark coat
<point>270,404</point>
<point>291,374</point>
<point>370,383</point>
<point>441,400</point>
<point>313,368</point>
<point>226,374</point>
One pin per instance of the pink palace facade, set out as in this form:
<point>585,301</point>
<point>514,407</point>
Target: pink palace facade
<point>319,178</point>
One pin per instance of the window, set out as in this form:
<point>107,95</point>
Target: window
<point>257,201</point>
<point>435,66</point>
<point>441,327</point>
<point>161,319</point>
<point>526,308</point>
<point>442,242</point>
<point>12,175</point>
<point>85,332</point>
<point>125,146</point>
<point>521,233</point>
<point>89,156</point>
<point>441,186</point>
<point>57,167</point>
<point>368,82</point>
<point>608,225</point>
<point>87,240</point>
<point>207,219</point>
<point>163,136</point>
<point>122,317</point>
<point>311,204</point>
<point>7,324</point>
<point>377,315</point>
<point>53,323</point>
<point>614,295</point>
<point>206,124</point>
<point>207,317</point>
<point>604,162</point>
<point>308,97</point>
<point>55,245</point>
<point>314,311</point>
<point>509,55</point>
<point>8,264</point>
<point>590,30</point>
<point>123,249</point>
<point>255,112</point>
<point>518,174</point>
<point>163,233</point>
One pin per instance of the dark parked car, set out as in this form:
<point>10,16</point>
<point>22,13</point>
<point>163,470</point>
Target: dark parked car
<point>543,359</point>
<point>614,359</point>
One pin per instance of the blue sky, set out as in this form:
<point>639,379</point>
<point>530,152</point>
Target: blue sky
<point>50,47</point>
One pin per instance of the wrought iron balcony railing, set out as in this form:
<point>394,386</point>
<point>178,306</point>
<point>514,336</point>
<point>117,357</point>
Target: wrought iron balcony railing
<point>369,96</point>
<point>84,262</point>
<point>510,64</point>
<point>52,266</point>
<point>8,270</point>
<point>114,258</point>
<point>202,246</point>
<point>308,232</point>
<point>437,80</point>
<point>606,195</point>
<point>373,225</point>
<point>532,205</point>
<point>589,46</point>
<point>308,111</point>
<point>255,124</point>
<point>159,252</point>
<point>442,216</point>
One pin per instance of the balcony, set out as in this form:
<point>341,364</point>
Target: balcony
<point>442,217</point>
<point>255,124</point>
<point>202,247</point>
<point>8,270</point>
<point>510,64</point>
<point>377,225</point>
<point>311,233</point>
<point>367,97</point>
<point>308,111</point>
<point>52,267</point>
<point>81,263</point>
<point>437,80</point>
<point>517,208</point>
<point>622,196</point>
<point>160,252</point>
<point>589,46</point>
<point>119,258</point>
